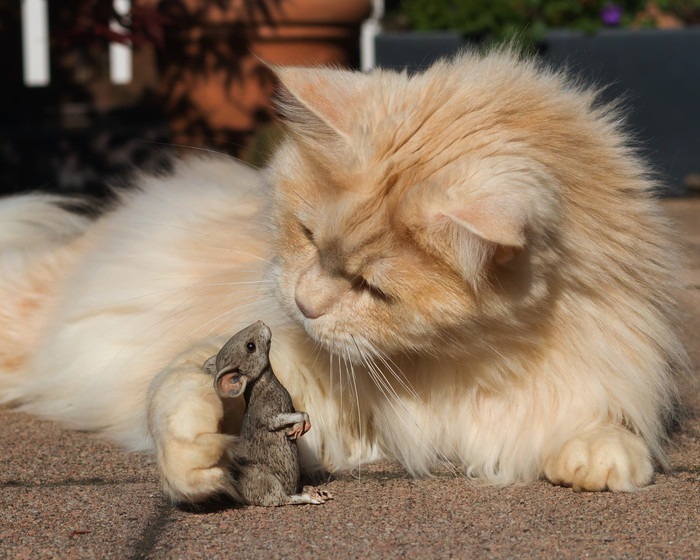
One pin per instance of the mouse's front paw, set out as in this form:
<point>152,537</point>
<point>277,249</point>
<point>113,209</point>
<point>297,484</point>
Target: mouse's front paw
<point>300,427</point>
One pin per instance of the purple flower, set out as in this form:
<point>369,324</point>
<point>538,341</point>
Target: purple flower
<point>611,14</point>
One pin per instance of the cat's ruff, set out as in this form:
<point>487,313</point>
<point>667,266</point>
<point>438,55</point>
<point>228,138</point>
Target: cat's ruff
<point>466,264</point>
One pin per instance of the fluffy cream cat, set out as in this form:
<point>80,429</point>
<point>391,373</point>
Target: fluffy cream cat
<point>465,265</point>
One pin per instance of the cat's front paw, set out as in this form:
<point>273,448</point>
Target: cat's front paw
<point>187,473</point>
<point>185,417</point>
<point>606,458</point>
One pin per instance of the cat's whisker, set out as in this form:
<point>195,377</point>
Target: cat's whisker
<point>179,311</point>
<point>223,273</point>
<point>204,235</point>
<point>395,371</point>
<point>340,383</point>
<point>300,197</point>
<point>243,283</point>
<point>348,362</point>
<point>172,292</point>
<point>390,394</point>
<point>197,148</point>
<point>234,310</point>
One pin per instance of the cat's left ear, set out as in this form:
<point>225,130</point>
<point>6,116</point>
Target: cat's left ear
<point>319,101</point>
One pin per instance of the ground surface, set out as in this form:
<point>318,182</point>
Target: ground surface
<point>68,495</point>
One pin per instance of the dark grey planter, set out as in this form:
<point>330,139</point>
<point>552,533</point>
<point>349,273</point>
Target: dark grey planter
<point>656,72</point>
<point>415,51</point>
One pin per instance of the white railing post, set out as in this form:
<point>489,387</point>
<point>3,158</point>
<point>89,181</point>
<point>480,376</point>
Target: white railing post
<point>120,56</point>
<point>35,42</point>
<point>370,29</point>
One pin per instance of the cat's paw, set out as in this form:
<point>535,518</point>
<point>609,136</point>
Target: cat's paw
<point>606,458</point>
<point>196,470</point>
<point>185,417</point>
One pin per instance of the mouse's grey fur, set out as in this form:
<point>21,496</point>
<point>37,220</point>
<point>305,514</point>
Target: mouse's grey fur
<point>265,461</point>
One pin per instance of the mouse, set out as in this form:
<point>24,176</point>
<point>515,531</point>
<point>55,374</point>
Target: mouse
<point>265,468</point>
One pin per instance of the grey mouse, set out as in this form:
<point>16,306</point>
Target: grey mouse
<point>265,462</point>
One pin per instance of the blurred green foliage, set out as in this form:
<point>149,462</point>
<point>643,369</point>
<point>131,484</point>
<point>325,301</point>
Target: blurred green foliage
<point>527,20</point>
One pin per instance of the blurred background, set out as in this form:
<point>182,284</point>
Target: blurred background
<point>94,88</point>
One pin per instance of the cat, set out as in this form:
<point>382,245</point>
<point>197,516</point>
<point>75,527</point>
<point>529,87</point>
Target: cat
<point>465,266</point>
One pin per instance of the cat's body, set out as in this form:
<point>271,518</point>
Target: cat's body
<point>465,264</point>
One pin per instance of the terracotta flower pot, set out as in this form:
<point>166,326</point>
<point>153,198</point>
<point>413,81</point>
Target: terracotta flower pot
<point>216,87</point>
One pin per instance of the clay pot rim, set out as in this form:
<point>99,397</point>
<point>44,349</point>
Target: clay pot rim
<point>281,12</point>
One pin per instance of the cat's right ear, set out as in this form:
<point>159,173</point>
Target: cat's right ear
<point>318,102</point>
<point>475,227</point>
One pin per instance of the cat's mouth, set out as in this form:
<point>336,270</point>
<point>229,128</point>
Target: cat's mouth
<point>340,343</point>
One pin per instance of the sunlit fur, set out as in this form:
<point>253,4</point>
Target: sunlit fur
<point>463,265</point>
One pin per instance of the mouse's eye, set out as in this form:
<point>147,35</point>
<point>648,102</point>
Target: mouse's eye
<point>250,347</point>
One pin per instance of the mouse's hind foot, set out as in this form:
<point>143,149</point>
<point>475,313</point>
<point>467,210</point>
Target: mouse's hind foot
<point>311,495</point>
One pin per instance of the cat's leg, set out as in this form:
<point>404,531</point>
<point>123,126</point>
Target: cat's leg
<point>185,418</point>
<point>296,423</point>
<point>607,457</point>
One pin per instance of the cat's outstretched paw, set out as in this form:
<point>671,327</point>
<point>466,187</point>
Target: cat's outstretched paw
<point>606,458</point>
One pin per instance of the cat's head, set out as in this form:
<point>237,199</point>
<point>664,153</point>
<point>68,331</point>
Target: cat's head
<point>416,213</point>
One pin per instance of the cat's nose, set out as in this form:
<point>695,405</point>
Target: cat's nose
<point>307,309</point>
<point>316,292</point>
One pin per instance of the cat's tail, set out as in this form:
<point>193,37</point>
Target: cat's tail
<point>34,222</point>
<point>37,232</point>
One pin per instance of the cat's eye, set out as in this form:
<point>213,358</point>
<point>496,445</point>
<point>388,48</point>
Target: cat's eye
<point>307,233</point>
<point>250,347</point>
<point>361,284</point>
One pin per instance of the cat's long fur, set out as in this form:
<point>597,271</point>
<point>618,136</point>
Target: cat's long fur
<point>466,264</point>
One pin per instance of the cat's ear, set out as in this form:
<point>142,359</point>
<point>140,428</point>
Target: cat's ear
<point>480,229</point>
<point>470,229</point>
<point>500,220</point>
<point>319,101</point>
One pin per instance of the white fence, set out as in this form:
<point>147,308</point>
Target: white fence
<point>35,44</point>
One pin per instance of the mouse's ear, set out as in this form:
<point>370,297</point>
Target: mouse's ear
<point>210,365</point>
<point>230,384</point>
